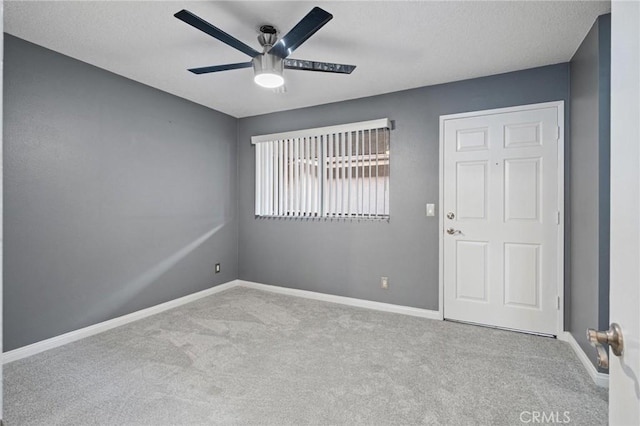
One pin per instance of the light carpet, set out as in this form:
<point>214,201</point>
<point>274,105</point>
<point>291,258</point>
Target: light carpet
<point>249,357</point>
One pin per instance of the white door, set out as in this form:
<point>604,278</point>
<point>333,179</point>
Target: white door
<point>1,192</point>
<point>624,372</point>
<point>501,217</point>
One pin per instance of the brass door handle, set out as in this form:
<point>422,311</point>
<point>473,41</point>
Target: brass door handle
<point>611,337</point>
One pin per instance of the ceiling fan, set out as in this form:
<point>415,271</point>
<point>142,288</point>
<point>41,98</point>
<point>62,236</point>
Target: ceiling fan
<point>268,65</point>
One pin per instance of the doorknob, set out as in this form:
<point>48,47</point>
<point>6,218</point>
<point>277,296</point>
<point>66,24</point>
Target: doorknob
<point>611,337</point>
<point>451,215</point>
<point>452,231</point>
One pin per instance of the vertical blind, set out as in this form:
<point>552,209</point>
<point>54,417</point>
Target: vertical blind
<point>338,172</point>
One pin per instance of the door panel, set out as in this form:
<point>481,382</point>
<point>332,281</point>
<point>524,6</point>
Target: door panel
<point>522,275</point>
<point>500,181</point>
<point>522,189</point>
<point>522,135</point>
<point>471,190</point>
<point>472,140</point>
<point>471,270</point>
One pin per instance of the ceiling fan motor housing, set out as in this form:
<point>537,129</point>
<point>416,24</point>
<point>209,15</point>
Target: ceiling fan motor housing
<point>267,37</point>
<point>268,68</point>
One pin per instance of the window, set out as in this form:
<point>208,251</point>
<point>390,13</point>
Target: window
<point>331,172</point>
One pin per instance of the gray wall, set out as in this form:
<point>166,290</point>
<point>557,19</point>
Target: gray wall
<point>348,258</point>
<point>589,187</point>
<point>117,196</point>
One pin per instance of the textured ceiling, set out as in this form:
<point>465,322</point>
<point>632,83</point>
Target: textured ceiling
<point>395,45</point>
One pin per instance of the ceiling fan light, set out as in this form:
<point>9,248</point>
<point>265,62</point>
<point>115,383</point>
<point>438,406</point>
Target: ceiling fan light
<point>268,71</point>
<point>269,80</point>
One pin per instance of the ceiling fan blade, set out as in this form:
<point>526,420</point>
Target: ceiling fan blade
<point>304,65</point>
<point>216,68</point>
<point>301,32</point>
<point>199,23</point>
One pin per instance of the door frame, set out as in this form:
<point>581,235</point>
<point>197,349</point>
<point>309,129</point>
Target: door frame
<point>559,105</point>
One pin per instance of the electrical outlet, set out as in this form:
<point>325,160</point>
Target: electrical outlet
<point>384,282</point>
<point>217,268</point>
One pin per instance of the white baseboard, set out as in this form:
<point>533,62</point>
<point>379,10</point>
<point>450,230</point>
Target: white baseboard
<point>75,335</point>
<point>600,379</point>
<point>360,303</point>
<point>91,330</point>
